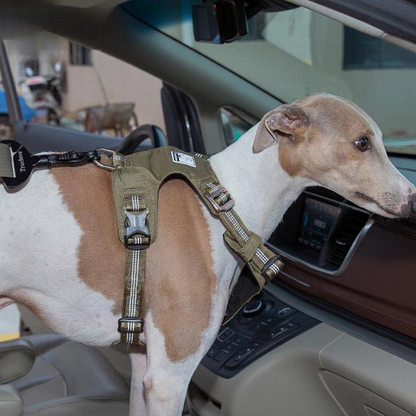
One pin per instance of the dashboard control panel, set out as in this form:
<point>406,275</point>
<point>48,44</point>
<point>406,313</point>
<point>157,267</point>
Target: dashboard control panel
<point>321,233</point>
<point>263,324</point>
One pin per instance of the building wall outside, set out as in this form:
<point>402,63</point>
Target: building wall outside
<point>122,82</point>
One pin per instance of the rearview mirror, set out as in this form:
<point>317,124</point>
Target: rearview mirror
<point>221,22</point>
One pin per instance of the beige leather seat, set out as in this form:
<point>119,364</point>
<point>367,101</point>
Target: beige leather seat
<point>66,379</point>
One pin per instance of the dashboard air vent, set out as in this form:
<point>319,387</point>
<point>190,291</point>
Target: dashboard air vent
<point>344,236</point>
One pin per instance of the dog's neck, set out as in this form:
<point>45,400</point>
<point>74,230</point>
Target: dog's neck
<point>262,190</point>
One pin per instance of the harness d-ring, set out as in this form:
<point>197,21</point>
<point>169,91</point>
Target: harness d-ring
<point>107,152</point>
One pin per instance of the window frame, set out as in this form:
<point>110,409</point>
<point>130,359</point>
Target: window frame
<point>13,105</point>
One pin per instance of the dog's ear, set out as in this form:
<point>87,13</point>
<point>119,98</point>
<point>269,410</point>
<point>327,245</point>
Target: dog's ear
<point>283,120</point>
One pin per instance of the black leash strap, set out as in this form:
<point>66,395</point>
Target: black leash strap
<point>17,164</point>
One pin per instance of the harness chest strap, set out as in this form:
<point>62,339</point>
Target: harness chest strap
<point>136,183</point>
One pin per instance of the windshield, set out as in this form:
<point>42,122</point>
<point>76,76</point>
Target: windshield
<point>298,52</point>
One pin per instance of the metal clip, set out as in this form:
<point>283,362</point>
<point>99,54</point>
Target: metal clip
<point>272,268</point>
<point>136,226</point>
<point>109,153</point>
<point>130,324</point>
<point>228,204</point>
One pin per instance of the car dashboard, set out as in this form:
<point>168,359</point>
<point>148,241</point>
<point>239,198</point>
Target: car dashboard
<point>346,272</point>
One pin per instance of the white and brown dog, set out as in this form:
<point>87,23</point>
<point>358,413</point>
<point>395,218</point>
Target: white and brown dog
<point>61,257</point>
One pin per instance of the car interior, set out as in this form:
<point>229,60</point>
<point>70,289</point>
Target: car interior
<point>335,333</point>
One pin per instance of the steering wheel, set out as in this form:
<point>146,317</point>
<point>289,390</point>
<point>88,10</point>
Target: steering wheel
<point>132,142</point>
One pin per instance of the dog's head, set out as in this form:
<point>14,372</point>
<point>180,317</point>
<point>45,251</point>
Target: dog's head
<point>334,143</point>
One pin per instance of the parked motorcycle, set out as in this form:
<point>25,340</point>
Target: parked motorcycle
<point>43,94</point>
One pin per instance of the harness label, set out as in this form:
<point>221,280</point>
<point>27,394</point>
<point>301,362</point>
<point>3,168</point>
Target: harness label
<point>183,159</point>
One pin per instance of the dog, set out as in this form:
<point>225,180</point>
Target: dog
<point>61,256</point>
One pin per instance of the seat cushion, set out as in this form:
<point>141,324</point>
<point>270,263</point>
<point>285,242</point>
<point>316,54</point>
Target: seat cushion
<point>68,374</point>
<point>84,408</point>
<point>16,359</point>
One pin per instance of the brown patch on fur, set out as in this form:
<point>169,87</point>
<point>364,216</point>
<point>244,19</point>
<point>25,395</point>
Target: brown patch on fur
<point>87,193</point>
<point>180,279</point>
<point>288,157</point>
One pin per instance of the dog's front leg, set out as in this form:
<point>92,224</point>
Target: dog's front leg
<point>138,360</point>
<point>169,370</point>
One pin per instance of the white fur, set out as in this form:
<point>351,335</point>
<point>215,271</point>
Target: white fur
<point>39,244</point>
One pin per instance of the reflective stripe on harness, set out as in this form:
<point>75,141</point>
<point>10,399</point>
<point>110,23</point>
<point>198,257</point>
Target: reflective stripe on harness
<point>136,240</point>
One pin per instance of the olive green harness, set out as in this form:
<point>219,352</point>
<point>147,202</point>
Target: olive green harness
<point>136,181</point>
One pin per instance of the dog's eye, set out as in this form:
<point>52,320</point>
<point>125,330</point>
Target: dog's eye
<point>363,144</point>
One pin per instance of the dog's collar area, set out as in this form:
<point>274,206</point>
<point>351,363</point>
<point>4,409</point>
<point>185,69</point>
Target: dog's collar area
<point>17,164</point>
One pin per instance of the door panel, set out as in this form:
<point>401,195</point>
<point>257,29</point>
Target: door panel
<point>42,137</point>
<point>322,372</point>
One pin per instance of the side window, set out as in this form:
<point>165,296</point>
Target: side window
<point>79,55</point>
<point>71,86</point>
<point>233,125</point>
<point>362,51</point>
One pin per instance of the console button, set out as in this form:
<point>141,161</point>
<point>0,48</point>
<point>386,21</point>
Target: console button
<point>280,330</point>
<point>225,334</point>
<point>285,311</point>
<point>253,308</point>
<point>238,358</point>
<point>237,341</point>
<point>229,348</point>
<point>244,320</point>
<point>221,356</point>
<point>213,352</point>
<point>256,327</point>
<point>267,321</point>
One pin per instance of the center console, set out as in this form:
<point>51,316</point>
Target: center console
<point>263,324</point>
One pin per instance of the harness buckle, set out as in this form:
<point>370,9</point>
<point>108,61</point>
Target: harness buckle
<point>272,268</point>
<point>130,324</point>
<point>137,235</point>
<point>220,199</point>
